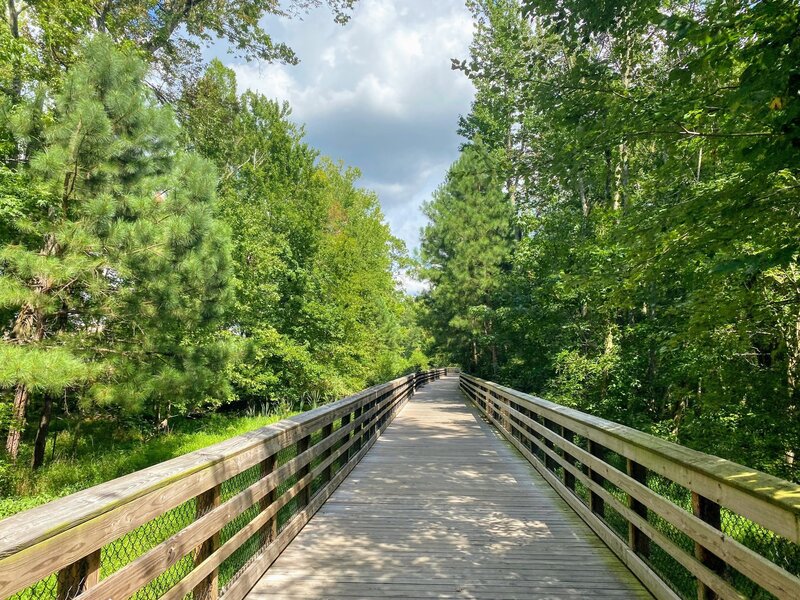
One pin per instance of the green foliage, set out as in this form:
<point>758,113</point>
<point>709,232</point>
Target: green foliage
<point>154,267</point>
<point>651,152</point>
<point>39,38</point>
<point>315,296</point>
<point>104,451</point>
<point>114,269</point>
<point>466,248</point>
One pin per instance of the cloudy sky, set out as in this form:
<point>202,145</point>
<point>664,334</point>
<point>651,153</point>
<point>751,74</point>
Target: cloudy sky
<point>377,93</point>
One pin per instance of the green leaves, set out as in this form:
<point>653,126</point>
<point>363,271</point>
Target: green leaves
<point>652,153</point>
<point>49,370</point>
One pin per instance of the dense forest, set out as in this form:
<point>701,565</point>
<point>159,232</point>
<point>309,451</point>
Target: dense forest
<point>620,232</point>
<point>170,245</point>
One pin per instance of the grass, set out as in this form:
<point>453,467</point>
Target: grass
<point>104,451</point>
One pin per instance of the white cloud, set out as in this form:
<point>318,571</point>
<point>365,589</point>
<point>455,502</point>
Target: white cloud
<point>378,94</point>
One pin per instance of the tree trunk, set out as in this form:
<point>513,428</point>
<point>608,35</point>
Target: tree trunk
<point>21,397</point>
<point>16,75</point>
<point>40,445</point>
<point>28,327</point>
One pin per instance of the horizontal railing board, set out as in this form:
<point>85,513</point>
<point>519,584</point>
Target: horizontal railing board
<point>749,563</point>
<point>157,560</point>
<point>767,500</point>
<point>52,537</point>
<point>497,403</point>
<point>39,523</point>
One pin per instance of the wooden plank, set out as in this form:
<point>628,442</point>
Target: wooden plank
<point>694,566</point>
<point>646,575</point>
<point>305,493</point>
<point>709,512</point>
<point>637,540</point>
<point>208,588</point>
<point>78,577</point>
<point>147,567</point>
<point>270,529</point>
<point>244,583</point>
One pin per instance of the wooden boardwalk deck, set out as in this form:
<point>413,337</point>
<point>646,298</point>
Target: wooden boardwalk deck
<point>442,507</point>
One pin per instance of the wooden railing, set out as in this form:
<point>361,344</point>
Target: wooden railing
<point>205,524</point>
<point>686,523</point>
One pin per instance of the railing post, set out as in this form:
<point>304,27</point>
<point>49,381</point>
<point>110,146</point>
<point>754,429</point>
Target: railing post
<point>356,433</point>
<point>305,494</point>
<point>549,463</point>
<point>78,577</point>
<point>326,473</point>
<point>366,427</point>
<point>596,503</point>
<point>270,529</point>
<point>708,511</point>
<point>208,589</point>
<point>537,450</point>
<point>569,478</point>
<point>344,457</point>
<point>637,540</point>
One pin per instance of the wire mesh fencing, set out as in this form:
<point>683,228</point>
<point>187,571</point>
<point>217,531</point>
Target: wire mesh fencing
<point>665,524</point>
<point>256,491</point>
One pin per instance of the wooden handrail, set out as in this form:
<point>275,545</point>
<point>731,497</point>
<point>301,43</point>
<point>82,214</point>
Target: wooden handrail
<point>716,490</point>
<point>287,470</point>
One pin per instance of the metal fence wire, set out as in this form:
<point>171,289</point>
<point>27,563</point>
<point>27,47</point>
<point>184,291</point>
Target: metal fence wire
<point>248,541</point>
<point>774,548</point>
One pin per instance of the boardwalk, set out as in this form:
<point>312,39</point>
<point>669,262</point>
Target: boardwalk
<point>442,507</point>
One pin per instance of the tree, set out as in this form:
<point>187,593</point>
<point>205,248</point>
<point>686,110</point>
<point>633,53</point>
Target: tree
<point>168,35</point>
<point>651,149</point>
<point>316,302</point>
<point>466,248</point>
<point>113,268</point>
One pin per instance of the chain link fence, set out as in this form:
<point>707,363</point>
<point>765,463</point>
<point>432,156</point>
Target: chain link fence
<point>111,558</point>
<point>764,542</point>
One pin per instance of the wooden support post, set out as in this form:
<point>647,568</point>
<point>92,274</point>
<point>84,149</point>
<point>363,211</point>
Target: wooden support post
<point>549,462</point>
<point>708,511</point>
<point>569,478</point>
<point>537,451</point>
<point>356,434</point>
<point>270,529</point>
<point>596,503</point>
<point>345,439</point>
<point>208,588</point>
<point>637,540</point>
<point>529,443</point>
<point>326,473</point>
<point>305,494</point>
<point>516,424</point>
<point>366,427</point>
<point>78,577</point>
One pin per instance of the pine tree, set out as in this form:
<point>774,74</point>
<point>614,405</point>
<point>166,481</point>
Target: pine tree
<point>466,247</point>
<point>112,267</point>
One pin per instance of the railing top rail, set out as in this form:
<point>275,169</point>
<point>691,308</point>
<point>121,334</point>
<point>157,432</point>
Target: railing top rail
<point>770,501</point>
<point>41,523</point>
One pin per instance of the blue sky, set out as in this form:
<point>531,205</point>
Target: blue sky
<point>377,93</point>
